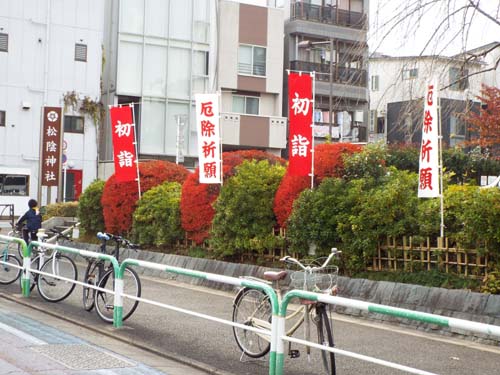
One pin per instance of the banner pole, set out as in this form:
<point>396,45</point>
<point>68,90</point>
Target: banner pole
<point>220,140</point>
<point>136,152</point>
<point>440,145</point>
<point>313,75</point>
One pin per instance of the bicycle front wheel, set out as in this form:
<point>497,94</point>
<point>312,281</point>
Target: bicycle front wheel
<point>90,277</point>
<point>325,337</point>
<point>104,300</point>
<point>252,308</point>
<point>53,288</point>
<point>9,269</point>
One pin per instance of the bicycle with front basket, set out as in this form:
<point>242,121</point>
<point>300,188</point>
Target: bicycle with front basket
<point>100,274</point>
<point>56,273</point>
<point>252,307</point>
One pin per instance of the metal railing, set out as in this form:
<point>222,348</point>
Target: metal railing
<point>342,75</point>
<point>279,308</point>
<point>327,14</point>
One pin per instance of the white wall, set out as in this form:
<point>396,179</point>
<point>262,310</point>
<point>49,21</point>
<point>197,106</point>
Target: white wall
<point>39,68</point>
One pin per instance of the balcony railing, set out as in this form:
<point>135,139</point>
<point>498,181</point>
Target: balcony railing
<point>346,76</point>
<point>327,14</point>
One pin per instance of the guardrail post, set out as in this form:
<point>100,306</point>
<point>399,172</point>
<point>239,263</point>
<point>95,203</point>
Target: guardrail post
<point>118,300</point>
<point>26,274</point>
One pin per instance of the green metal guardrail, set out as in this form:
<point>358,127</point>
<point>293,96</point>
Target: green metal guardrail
<point>371,308</point>
<point>222,279</point>
<point>279,308</point>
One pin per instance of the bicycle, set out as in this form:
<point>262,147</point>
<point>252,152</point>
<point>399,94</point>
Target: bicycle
<point>10,265</point>
<point>14,246</point>
<point>56,274</point>
<point>252,307</point>
<point>101,276</point>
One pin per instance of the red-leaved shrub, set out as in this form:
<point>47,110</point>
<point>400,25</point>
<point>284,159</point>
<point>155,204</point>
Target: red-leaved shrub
<point>327,163</point>
<point>119,199</point>
<point>197,211</point>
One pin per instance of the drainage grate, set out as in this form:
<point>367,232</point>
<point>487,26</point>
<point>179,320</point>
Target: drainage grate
<point>81,357</point>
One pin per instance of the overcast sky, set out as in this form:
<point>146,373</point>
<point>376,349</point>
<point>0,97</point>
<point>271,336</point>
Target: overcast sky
<point>410,36</point>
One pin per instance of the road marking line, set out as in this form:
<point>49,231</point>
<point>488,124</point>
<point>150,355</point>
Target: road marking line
<point>23,335</point>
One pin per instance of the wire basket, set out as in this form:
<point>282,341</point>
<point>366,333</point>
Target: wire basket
<point>319,281</point>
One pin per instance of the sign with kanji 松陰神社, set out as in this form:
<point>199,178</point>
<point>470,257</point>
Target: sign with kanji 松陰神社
<point>428,176</point>
<point>123,129</point>
<point>207,120</point>
<point>300,110</point>
<point>51,146</point>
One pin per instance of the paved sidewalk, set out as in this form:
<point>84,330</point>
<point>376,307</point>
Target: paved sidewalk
<point>44,345</point>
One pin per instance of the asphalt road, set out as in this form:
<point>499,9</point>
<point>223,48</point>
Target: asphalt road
<point>211,343</point>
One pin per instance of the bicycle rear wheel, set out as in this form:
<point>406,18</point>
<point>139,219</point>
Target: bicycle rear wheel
<point>90,277</point>
<point>53,288</point>
<point>104,300</point>
<point>325,337</point>
<point>250,307</point>
<point>9,269</point>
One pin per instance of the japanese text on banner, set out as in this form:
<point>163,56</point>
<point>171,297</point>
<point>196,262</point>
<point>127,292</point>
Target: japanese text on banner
<point>428,176</point>
<point>123,133</point>
<point>300,110</point>
<point>207,119</point>
<point>51,146</point>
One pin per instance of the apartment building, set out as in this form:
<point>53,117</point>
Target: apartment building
<point>397,87</point>
<point>329,37</point>
<point>49,50</point>
<point>162,53</point>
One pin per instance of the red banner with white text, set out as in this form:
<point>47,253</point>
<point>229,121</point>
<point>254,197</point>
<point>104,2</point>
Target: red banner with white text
<point>300,110</point>
<point>123,127</point>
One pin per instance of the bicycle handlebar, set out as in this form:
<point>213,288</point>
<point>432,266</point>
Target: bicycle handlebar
<point>118,239</point>
<point>291,260</point>
<point>60,234</point>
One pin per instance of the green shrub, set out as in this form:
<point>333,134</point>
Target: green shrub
<point>156,220</point>
<point>244,218</point>
<point>315,216</point>
<point>369,163</point>
<point>64,209</point>
<point>491,283</point>
<point>90,212</point>
<point>472,217</point>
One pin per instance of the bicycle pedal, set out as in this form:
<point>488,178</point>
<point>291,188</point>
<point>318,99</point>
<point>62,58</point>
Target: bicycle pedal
<point>294,353</point>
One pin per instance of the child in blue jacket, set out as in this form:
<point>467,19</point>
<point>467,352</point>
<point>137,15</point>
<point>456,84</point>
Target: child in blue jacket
<point>33,220</point>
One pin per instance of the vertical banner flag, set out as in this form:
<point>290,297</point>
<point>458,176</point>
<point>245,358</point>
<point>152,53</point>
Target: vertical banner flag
<point>207,120</point>
<point>300,112</point>
<point>51,146</point>
<point>428,184</point>
<point>123,129</point>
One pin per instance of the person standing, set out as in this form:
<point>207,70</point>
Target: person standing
<point>33,220</point>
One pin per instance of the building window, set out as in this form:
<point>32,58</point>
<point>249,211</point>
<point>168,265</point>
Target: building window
<point>4,42</point>
<point>246,104</point>
<point>457,131</point>
<point>458,79</point>
<point>12,184</point>
<point>80,52</point>
<point>2,118</point>
<point>73,124</point>
<point>410,73</point>
<point>375,83</point>
<point>252,60</point>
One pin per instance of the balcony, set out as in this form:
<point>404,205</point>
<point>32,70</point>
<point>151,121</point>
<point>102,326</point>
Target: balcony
<point>345,76</point>
<point>327,14</point>
<point>253,131</point>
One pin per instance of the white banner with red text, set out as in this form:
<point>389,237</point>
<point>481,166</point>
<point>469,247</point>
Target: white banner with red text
<point>207,121</point>
<point>429,183</point>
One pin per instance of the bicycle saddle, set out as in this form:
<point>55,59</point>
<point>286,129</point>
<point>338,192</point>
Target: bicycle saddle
<point>275,275</point>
